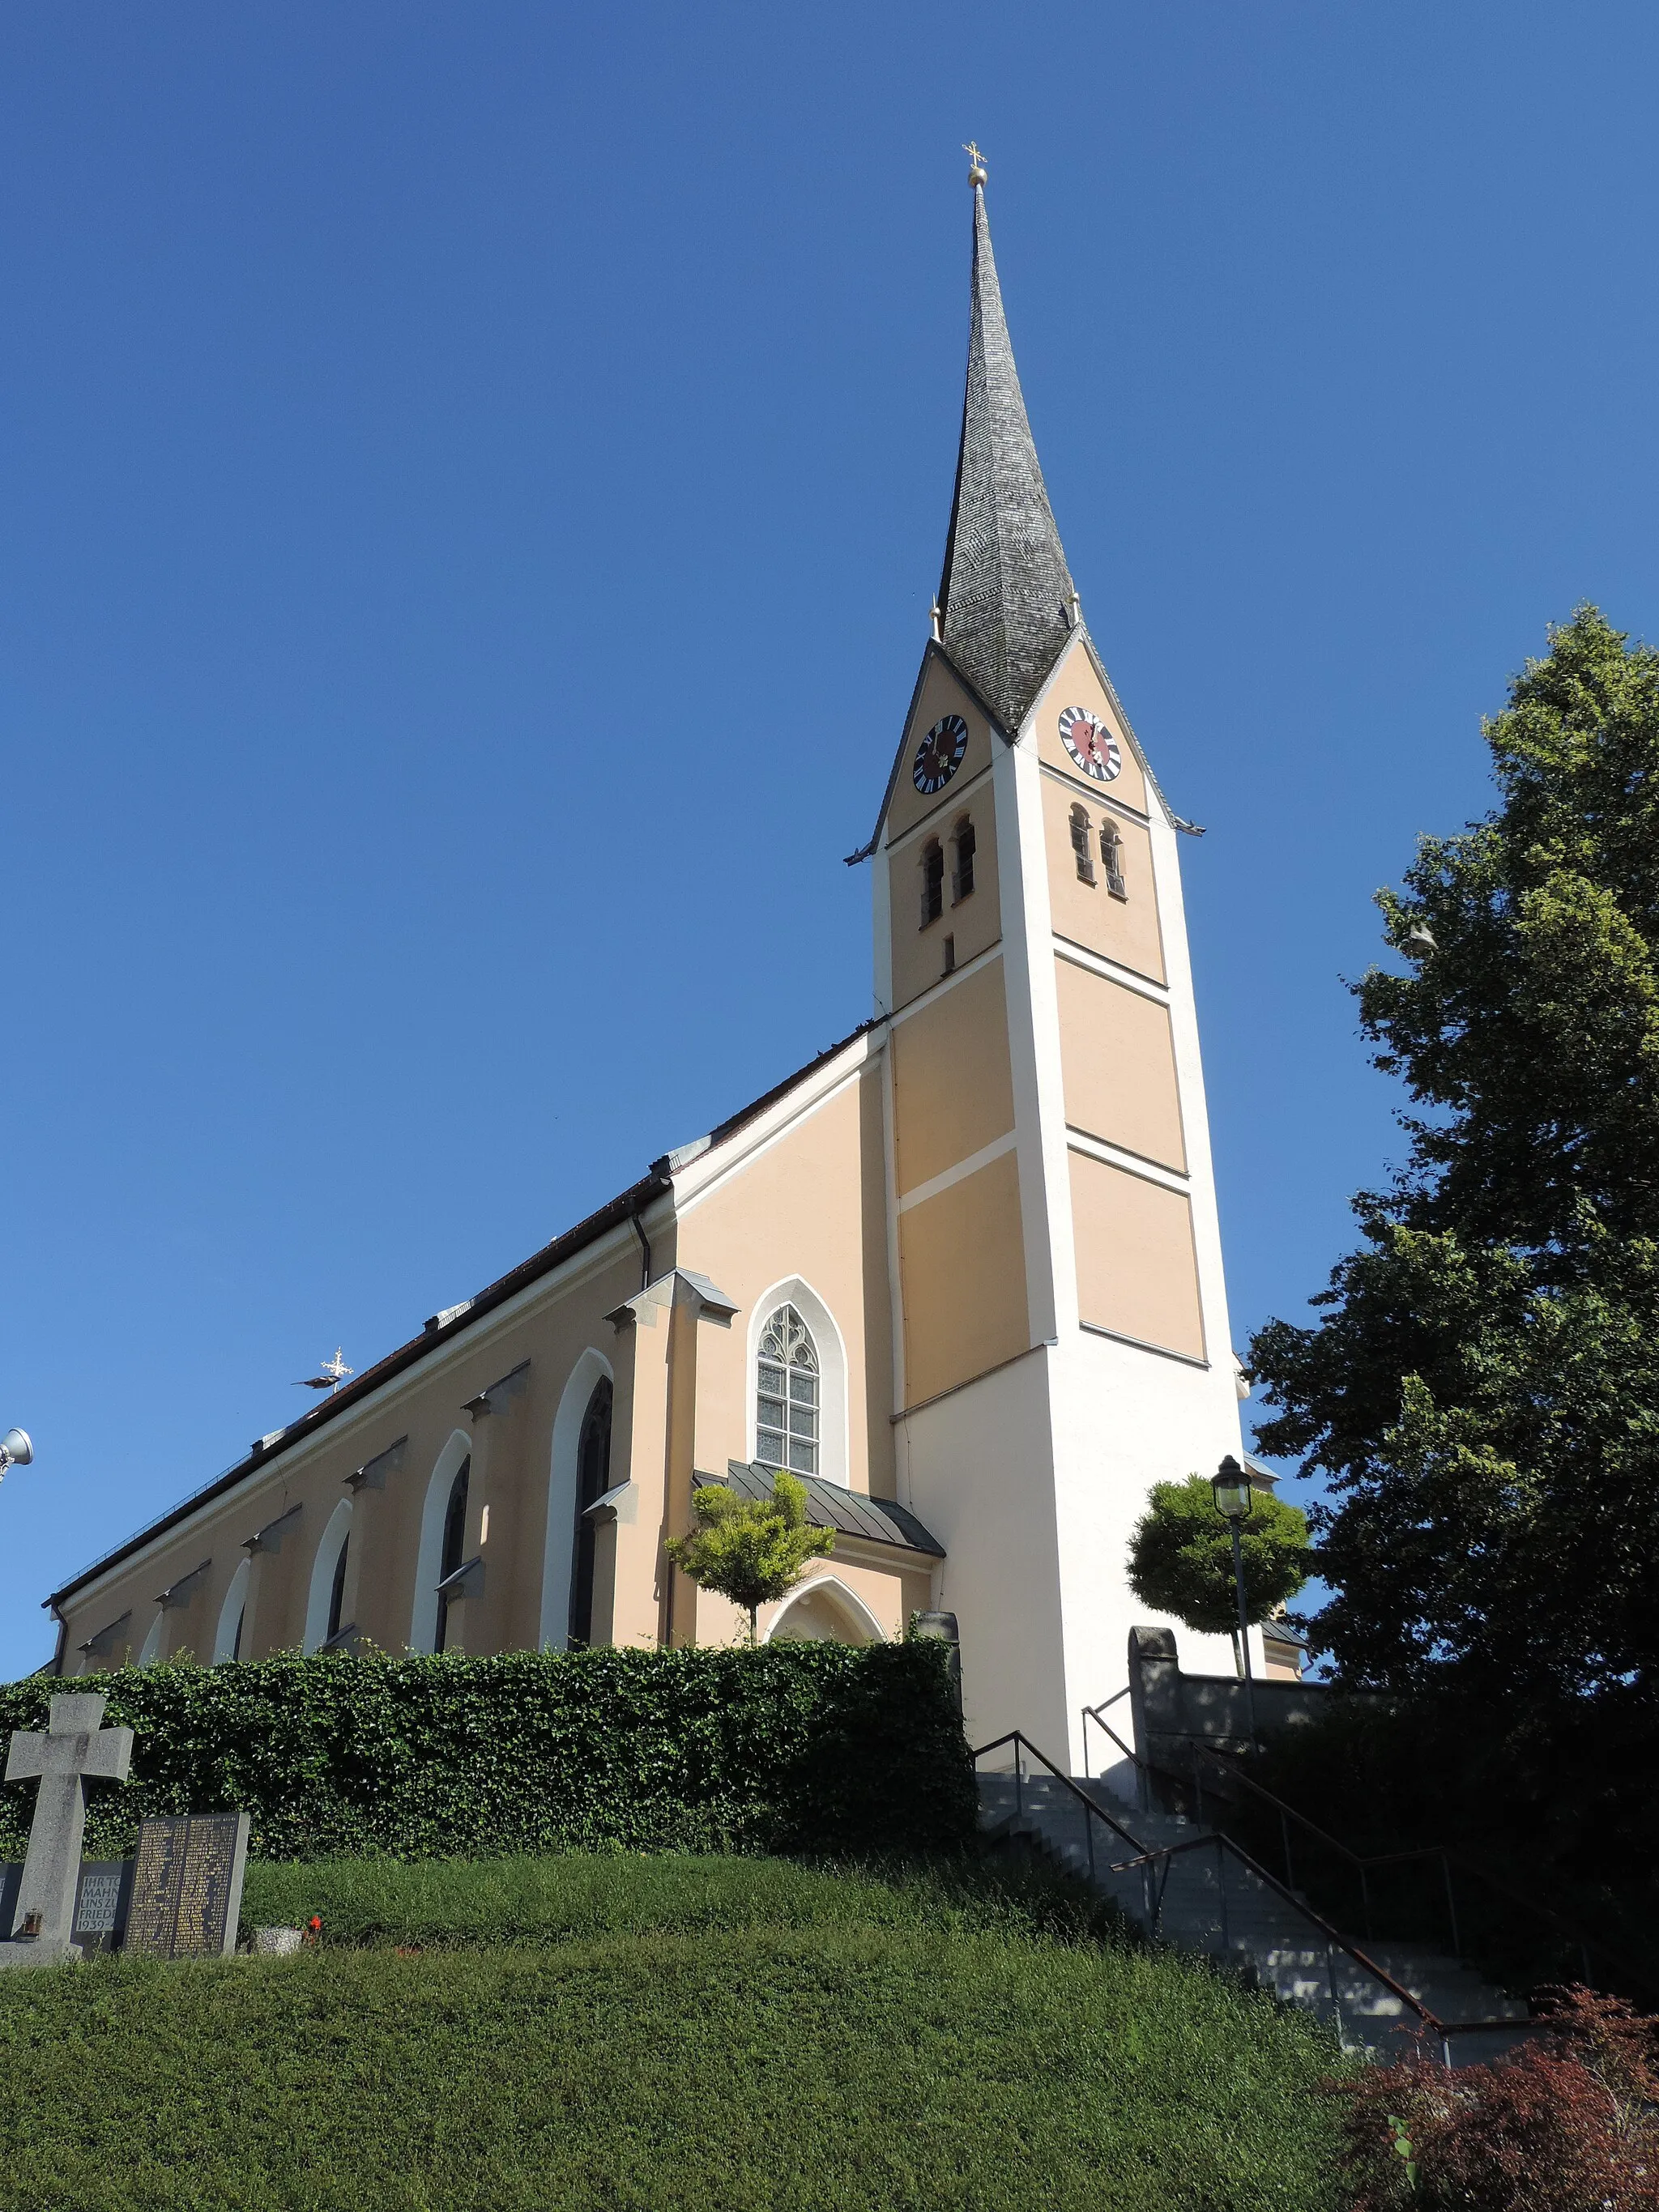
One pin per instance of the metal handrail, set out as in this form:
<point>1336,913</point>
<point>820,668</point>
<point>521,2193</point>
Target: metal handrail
<point>1359,1861</point>
<point>1145,1859</point>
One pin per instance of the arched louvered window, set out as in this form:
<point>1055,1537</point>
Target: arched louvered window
<point>932,882</point>
<point>1082,846</point>
<point>1111,859</point>
<point>964,844</point>
<point>786,1394</point>
<point>455,1543</point>
<point>593,1480</point>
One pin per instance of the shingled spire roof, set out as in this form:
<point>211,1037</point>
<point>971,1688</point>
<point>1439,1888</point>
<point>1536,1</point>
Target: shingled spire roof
<point>1006,590</point>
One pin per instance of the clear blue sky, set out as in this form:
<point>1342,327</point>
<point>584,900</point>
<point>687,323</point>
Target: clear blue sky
<point>474,478</point>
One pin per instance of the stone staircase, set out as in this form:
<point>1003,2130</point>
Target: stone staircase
<point>1205,1898</point>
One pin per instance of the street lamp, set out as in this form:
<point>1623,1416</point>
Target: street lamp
<point>15,1450</point>
<point>1235,1498</point>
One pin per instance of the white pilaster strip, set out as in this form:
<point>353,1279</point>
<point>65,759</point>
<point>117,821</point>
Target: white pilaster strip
<point>1189,1075</point>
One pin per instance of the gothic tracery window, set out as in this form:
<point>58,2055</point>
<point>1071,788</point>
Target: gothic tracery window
<point>786,1395</point>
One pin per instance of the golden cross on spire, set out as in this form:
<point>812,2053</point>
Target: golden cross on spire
<point>975,163</point>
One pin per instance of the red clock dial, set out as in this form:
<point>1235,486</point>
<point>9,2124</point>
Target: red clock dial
<point>1090,744</point>
<point>939,755</point>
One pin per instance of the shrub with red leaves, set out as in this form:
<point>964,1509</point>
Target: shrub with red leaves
<point>1568,2122</point>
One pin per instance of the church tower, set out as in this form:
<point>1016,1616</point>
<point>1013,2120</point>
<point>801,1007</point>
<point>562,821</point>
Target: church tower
<point>1059,1320</point>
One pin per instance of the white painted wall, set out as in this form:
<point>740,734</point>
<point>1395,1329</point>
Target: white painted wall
<point>975,1467</point>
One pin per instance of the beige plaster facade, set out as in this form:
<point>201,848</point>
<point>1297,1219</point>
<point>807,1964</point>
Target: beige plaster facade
<point>985,1226</point>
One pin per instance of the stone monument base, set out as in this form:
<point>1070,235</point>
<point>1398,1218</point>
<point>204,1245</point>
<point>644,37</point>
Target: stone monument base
<point>40,1951</point>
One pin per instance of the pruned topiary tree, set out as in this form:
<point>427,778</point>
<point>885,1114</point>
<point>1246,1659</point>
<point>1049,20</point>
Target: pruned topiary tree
<point>752,1550</point>
<point>1181,1557</point>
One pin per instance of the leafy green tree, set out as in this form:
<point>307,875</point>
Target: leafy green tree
<point>752,1550</point>
<point>1181,1557</point>
<point>1481,1389</point>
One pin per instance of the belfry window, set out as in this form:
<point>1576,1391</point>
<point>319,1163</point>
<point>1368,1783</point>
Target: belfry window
<point>454,1541</point>
<point>1082,846</point>
<point>932,882</point>
<point>786,1394</point>
<point>962,876</point>
<point>1111,859</point>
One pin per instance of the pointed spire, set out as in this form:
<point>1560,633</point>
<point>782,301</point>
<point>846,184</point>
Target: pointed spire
<point>1006,594</point>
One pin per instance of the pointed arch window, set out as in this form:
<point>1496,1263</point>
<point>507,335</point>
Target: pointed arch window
<point>593,1480</point>
<point>453,1545</point>
<point>233,1616</point>
<point>786,1394</point>
<point>336,1593</point>
<point>1083,845</point>
<point>1111,860</point>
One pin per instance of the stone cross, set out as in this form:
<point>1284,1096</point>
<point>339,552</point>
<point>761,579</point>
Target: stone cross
<point>73,1749</point>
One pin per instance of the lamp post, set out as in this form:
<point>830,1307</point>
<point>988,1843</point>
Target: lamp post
<point>15,1450</point>
<point>1234,1500</point>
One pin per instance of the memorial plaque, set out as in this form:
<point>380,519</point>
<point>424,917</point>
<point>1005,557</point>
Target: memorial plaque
<point>101,1904</point>
<point>187,1886</point>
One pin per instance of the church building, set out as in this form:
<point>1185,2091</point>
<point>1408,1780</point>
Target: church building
<point>962,1274</point>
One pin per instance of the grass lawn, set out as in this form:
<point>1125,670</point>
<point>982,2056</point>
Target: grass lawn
<point>675,2034</point>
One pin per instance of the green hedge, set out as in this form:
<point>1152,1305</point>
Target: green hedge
<point>793,1748</point>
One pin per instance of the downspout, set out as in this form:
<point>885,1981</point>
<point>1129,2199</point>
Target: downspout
<point>645,1248</point>
<point>56,1665</point>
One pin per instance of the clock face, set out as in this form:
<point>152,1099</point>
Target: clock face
<point>939,755</point>
<point>1090,744</point>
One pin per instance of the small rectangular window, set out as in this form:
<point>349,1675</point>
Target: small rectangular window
<point>949,955</point>
<point>962,877</point>
<point>932,882</point>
